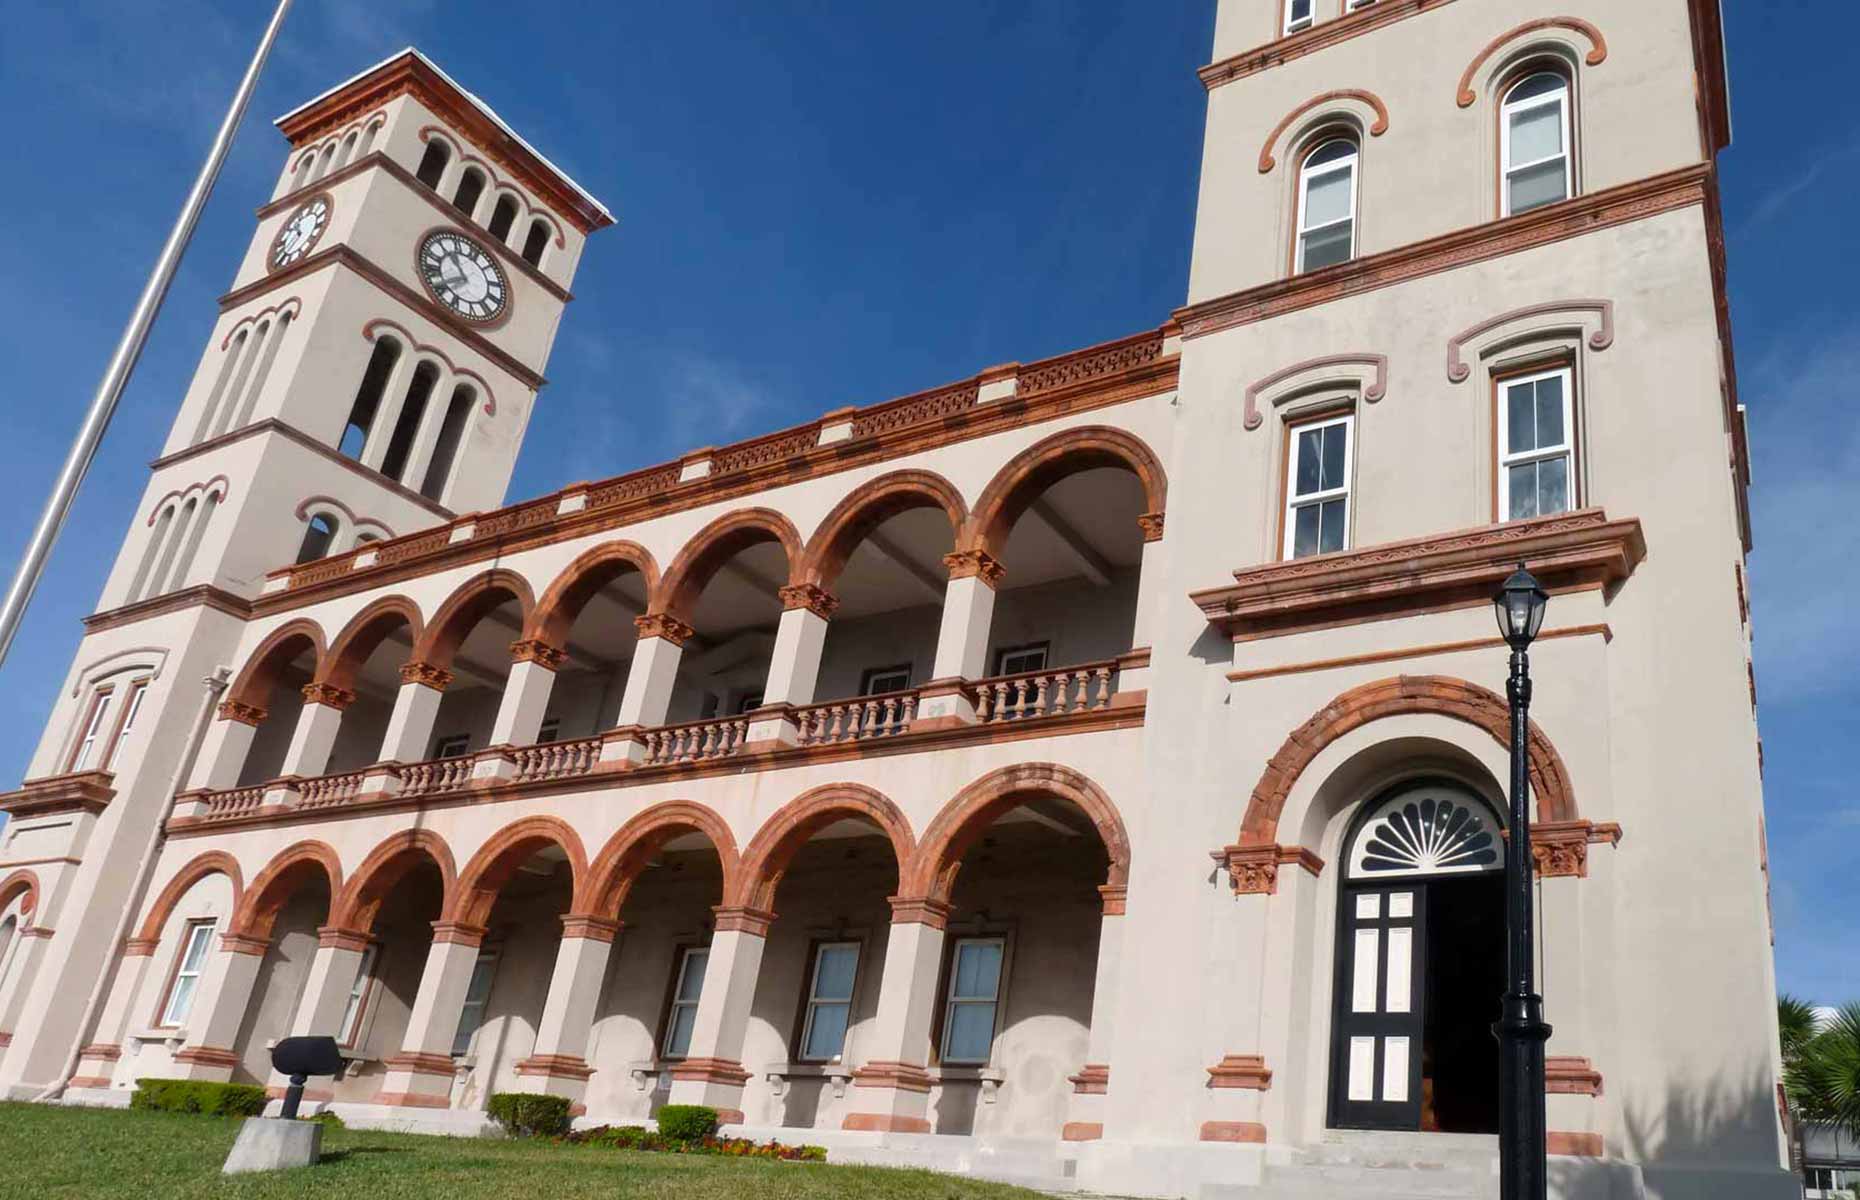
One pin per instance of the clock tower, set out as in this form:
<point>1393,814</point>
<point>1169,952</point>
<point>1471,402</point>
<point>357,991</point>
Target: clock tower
<point>372,372</point>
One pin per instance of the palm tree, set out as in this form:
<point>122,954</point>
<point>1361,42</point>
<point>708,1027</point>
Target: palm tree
<point>1825,1080</point>
<point>1798,1022</point>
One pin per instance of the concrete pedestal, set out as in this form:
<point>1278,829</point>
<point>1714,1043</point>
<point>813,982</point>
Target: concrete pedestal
<point>271,1144</point>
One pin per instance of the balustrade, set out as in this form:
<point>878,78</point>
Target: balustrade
<point>434,778</point>
<point>861,719</point>
<point>234,803</point>
<point>696,742</point>
<point>330,791</point>
<point>558,760</point>
<point>1048,693</point>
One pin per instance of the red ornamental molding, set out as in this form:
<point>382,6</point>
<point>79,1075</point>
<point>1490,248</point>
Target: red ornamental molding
<point>664,625</point>
<point>261,314</point>
<point>975,564</point>
<point>328,695</point>
<point>1114,898</point>
<point>77,792</point>
<point>1254,870</point>
<point>303,513</point>
<point>208,1056</point>
<point>1561,848</point>
<point>238,943</point>
<point>1571,1076</point>
<point>1371,394</point>
<point>459,933</point>
<point>534,650</point>
<point>245,714</point>
<point>205,486</point>
<point>138,947</point>
<point>890,1073</point>
<point>1598,50</point>
<point>740,919</point>
<point>919,910</point>
<point>427,675</point>
<point>1093,1079</point>
<point>1081,1131</point>
<point>1381,125</point>
<point>411,346</point>
<point>1246,1071</point>
<point>1152,526</point>
<point>813,598</point>
<point>493,184</point>
<point>555,1066</point>
<point>726,1071</point>
<point>1245,1132</point>
<point>333,938</point>
<point>1574,1145</point>
<point>1601,339</point>
<point>599,929</point>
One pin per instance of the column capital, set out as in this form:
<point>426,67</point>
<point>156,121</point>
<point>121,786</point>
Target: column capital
<point>1561,848</point>
<point>742,919</point>
<point>664,625</point>
<point>238,943</point>
<point>328,695</point>
<point>535,650</point>
<point>919,910</point>
<point>245,714</point>
<point>136,947</point>
<point>810,596</point>
<point>1115,896</point>
<point>1152,526</point>
<point>975,564</point>
<point>584,925</point>
<point>427,675</point>
<point>1241,1071</point>
<point>458,932</point>
<point>332,937</point>
<point>1254,870</point>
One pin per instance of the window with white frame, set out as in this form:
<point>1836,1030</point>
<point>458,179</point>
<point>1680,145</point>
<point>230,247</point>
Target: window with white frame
<point>352,1010</point>
<point>195,942</point>
<point>974,997</point>
<point>1353,5</point>
<point>1534,136</point>
<point>829,1001</point>
<point>879,680</point>
<point>1297,15</point>
<point>127,725</point>
<point>549,731</point>
<point>1019,660</point>
<point>477,996</point>
<point>681,1015</point>
<point>1317,487</point>
<point>1536,465</point>
<point>1327,205</point>
<point>451,745</point>
<point>92,740</point>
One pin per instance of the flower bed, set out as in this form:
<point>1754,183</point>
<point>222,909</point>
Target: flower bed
<point>637,1137</point>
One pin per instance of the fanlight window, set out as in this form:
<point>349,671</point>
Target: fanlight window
<point>1429,829</point>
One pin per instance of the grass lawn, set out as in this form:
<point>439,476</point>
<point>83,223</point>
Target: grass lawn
<point>48,1152</point>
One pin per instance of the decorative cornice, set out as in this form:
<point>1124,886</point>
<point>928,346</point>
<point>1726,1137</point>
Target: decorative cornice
<point>1372,394</point>
<point>1267,161</point>
<point>458,933</point>
<point>1246,1071</point>
<point>1254,870</point>
<point>328,695</point>
<point>534,650</point>
<point>1571,1076</point>
<point>919,910</point>
<point>140,947</point>
<point>420,1063</point>
<point>1113,899</point>
<point>238,943</point>
<point>975,564</point>
<point>80,791</point>
<point>1570,551</point>
<point>1552,223</point>
<point>1306,41</point>
<point>101,1052</point>
<point>331,938</point>
<point>1465,97</point>
<point>426,675</point>
<point>1560,849</point>
<point>812,597</point>
<point>1601,339</point>
<point>664,625</point>
<point>243,713</point>
<point>596,929</point>
<point>203,595</point>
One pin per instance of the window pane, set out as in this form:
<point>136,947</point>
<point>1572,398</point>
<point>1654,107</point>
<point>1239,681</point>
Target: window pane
<point>479,989</point>
<point>182,997</point>
<point>1552,486</point>
<point>978,969</point>
<point>691,983</point>
<point>1330,533</point>
<point>1298,11</point>
<point>1327,198</point>
<point>1522,485</point>
<point>1310,468</point>
<point>678,1041</point>
<point>1537,133</point>
<point>197,941</point>
<point>1327,247</point>
<point>833,977</point>
<point>1520,418</point>
<point>1537,186</point>
<point>1305,530</point>
<point>1335,439</point>
<point>971,1032</point>
<point>1550,411</point>
<point>826,1037</point>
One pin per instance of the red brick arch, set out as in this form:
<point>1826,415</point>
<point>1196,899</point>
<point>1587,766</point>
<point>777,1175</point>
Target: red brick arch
<point>386,865</point>
<point>1027,476</point>
<point>497,861</point>
<point>21,883</point>
<point>865,509</point>
<point>464,608</point>
<point>366,631</point>
<point>773,848</point>
<point>1268,160</point>
<point>716,544</point>
<point>265,665</point>
<point>289,871</point>
<point>1465,97</point>
<point>1405,694</point>
<point>562,603</point>
<point>932,871</point>
<point>213,862</point>
<point>627,852</point>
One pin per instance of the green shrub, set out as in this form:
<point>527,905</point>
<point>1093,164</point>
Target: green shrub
<point>198,1096</point>
<point>327,1120</point>
<point>687,1122</point>
<point>621,1137</point>
<point>635,1137</point>
<point>525,1115</point>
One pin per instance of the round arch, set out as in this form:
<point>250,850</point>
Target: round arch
<point>626,853</point>
<point>865,509</point>
<point>1443,695</point>
<point>365,631</point>
<point>387,864</point>
<point>932,873</point>
<point>465,607</point>
<point>21,885</point>
<point>492,867</point>
<point>213,862</point>
<point>1340,100</point>
<point>253,686</point>
<point>1028,474</point>
<point>1466,96</point>
<point>716,544</point>
<point>272,888</point>
<point>781,837</point>
<point>561,604</point>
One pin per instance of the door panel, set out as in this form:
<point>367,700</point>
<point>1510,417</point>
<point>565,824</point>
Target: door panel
<point>1376,1052</point>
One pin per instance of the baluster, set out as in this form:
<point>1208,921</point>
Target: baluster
<point>909,714</point>
<point>886,723</point>
<point>1002,710</point>
<point>1039,701</point>
<point>1104,687</point>
<point>804,727</point>
<point>984,704</point>
<point>839,716</point>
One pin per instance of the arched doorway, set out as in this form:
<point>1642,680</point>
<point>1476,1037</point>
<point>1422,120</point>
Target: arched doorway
<point>1420,963</point>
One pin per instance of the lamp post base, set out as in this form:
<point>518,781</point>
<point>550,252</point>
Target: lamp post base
<point>1521,1032</point>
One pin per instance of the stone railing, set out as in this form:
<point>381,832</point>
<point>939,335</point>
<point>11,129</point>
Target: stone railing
<point>861,719</point>
<point>329,791</point>
<point>235,802</point>
<point>1048,693</point>
<point>696,742</point>
<point>436,777</point>
<point>557,760</point>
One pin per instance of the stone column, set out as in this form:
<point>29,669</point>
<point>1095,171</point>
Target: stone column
<point>416,706</point>
<point>558,1065</point>
<point>1151,583</point>
<point>29,949</point>
<point>317,725</point>
<point>332,976</point>
<point>654,671</point>
<point>968,612</point>
<point>891,1089</point>
<point>712,1073</point>
<point>526,693</point>
<point>97,1061</point>
<point>1085,1111</point>
<point>794,668</point>
<point>228,740</point>
<point>219,1009</point>
<point>420,1076</point>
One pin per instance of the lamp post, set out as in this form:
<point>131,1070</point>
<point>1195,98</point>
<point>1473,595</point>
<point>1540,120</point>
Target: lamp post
<point>1520,1029</point>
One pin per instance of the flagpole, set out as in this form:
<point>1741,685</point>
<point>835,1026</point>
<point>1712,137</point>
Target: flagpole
<point>128,350</point>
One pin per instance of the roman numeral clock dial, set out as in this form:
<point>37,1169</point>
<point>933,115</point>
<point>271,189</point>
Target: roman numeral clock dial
<point>300,231</point>
<point>462,275</point>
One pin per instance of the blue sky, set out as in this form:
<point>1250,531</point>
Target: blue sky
<point>828,204</point>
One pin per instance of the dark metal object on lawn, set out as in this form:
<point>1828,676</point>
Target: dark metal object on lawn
<point>300,1058</point>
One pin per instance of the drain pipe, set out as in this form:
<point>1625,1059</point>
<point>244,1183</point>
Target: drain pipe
<point>215,685</point>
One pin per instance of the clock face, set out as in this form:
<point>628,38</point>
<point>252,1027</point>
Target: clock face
<point>463,276</point>
<point>301,231</point>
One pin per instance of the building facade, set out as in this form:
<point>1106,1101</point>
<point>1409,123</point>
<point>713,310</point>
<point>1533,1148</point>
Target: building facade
<point>1087,772</point>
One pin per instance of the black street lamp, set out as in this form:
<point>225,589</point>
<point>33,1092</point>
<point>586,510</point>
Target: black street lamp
<point>1520,1029</point>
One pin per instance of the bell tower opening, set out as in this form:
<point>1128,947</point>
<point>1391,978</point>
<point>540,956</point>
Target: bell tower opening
<point>1420,963</point>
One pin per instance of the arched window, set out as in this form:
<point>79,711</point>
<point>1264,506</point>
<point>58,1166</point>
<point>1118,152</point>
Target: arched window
<point>446,449</point>
<point>269,352</point>
<point>319,535</point>
<point>433,164</point>
<point>159,579</point>
<point>534,241</point>
<point>368,137</point>
<point>229,362</point>
<point>503,216</point>
<point>300,174</point>
<point>368,398</point>
<point>407,426</point>
<point>9,930</point>
<point>139,584</point>
<point>471,186</point>
<point>1534,137</point>
<point>348,148</point>
<point>328,160</point>
<point>1327,205</point>
<point>185,562</point>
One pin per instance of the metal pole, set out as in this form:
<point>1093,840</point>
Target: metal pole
<point>128,350</point>
<point>1520,1030</point>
